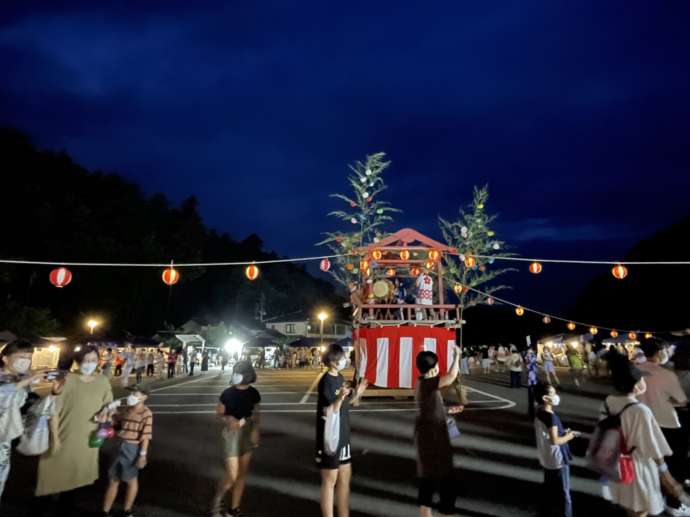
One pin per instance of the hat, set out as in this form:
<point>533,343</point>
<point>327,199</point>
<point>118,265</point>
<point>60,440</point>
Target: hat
<point>145,389</point>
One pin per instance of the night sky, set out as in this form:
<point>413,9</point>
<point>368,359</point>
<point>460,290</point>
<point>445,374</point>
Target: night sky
<point>576,115</point>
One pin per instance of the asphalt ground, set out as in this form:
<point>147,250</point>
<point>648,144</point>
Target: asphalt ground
<point>496,468</point>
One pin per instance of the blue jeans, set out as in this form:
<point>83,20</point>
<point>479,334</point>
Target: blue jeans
<point>557,492</point>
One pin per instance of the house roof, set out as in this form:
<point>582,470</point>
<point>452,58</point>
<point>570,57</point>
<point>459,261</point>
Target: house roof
<point>407,237</point>
<point>300,316</point>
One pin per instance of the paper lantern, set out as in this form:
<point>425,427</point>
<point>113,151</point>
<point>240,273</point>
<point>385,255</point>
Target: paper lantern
<point>593,330</point>
<point>490,233</point>
<point>632,336</point>
<point>434,254</point>
<point>325,265</point>
<point>367,271</point>
<point>376,254</point>
<point>415,271</point>
<point>429,264</point>
<point>648,335</point>
<point>619,271</point>
<point>405,255</point>
<point>390,272</point>
<point>571,325</point>
<point>363,265</point>
<point>458,289</point>
<point>470,261</point>
<point>535,268</point>
<point>349,266</point>
<point>519,311</point>
<point>171,276</point>
<point>546,320</point>
<point>252,272</point>
<point>60,277</point>
<point>490,301</point>
<point>614,333</point>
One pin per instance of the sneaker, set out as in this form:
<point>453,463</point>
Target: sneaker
<point>236,512</point>
<point>681,511</point>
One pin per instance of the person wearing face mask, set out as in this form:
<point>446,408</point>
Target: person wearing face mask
<point>432,440</point>
<point>134,422</point>
<point>334,396</point>
<point>71,463</point>
<point>554,452</point>
<point>238,409</point>
<point>15,385</point>
<point>664,393</point>
<point>643,437</point>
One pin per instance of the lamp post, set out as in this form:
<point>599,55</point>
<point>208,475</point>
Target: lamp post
<point>92,324</point>
<point>322,317</point>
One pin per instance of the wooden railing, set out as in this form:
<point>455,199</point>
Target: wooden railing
<point>407,312</point>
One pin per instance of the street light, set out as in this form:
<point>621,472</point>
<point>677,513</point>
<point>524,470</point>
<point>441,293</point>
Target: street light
<point>322,317</point>
<point>92,324</point>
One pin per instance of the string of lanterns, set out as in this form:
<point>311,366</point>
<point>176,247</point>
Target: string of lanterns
<point>547,318</point>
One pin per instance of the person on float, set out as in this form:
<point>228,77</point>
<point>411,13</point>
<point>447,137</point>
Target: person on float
<point>335,395</point>
<point>16,380</point>
<point>238,408</point>
<point>432,441</point>
<point>71,462</point>
<point>424,294</point>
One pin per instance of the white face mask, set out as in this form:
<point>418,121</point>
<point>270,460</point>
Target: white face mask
<point>555,400</point>
<point>21,365</point>
<point>132,400</point>
<point>342,363</point>
<point>237,378</point>
<point>87,368</point>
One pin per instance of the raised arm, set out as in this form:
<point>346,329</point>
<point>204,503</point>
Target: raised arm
<point>449,378</point>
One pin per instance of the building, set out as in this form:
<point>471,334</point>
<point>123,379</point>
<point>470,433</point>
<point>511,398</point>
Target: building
<point>302,324</point>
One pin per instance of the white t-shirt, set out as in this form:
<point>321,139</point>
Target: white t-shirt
<point>425,290</point>
<point>663,390</point>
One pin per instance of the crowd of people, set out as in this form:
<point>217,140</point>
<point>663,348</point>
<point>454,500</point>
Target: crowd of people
<point>648,411</point>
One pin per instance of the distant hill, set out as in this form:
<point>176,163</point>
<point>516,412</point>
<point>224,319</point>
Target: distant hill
<point>54,209</point>
<point>651,297</point>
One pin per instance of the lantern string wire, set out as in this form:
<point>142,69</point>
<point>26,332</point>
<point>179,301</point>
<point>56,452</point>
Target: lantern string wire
<point>588,262</point>
<point>560,318</point>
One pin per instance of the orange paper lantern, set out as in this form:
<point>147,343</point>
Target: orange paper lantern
<point>546,320</point>
<point>594,331</point>
<point>415,271</point>
<point>619,271</point>
<point>519,311</point>
<point>390,272</point>
<point>571,325</point>
<point>648,335</point>
<point>470,261</point>
<point>490,301</point>
<point>376,254</point>
<point>252,272</point>
<point>171,276</point>
<point>535,268</point>
<point>433,255</point>
<point>405,255</point>
<point>458,289</point>
<point>363,265</point>
<point>614,333</point>
<point>632,336</point>
<point>349,266</point>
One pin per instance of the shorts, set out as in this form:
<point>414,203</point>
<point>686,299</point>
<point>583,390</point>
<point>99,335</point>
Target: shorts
<point>486,363</point>
<point>325,461</point>
<point>124,468</point>
<point>548,367</point>
<point>238,442</point>
<point>446,489</point>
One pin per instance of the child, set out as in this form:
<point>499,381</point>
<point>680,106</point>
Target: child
<point>135,424</point>
<point>554,452</point>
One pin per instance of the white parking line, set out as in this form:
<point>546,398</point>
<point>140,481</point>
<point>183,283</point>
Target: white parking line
<point>207,394</point>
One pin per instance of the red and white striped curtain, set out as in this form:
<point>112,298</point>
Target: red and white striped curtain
<point>386,356</point>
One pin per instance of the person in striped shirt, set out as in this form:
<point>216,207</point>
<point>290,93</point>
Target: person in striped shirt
<point>134,423</point>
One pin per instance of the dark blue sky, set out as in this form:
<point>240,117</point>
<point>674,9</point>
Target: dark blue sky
<point>577,115</point>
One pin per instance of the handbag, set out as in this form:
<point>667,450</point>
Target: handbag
<point>331,432</point>
<point>453,429</point>
<point>36,437</point>
<point>11,424</point>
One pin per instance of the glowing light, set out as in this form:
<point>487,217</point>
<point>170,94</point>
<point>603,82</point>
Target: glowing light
<point>252,272</point>
<point>233,346</point>
<point>171,276</point>
<point>519,311</point>
<point>470,261</point>
<point>322,316</point>
<point>571,325</point>
<point>405,255</point>
<point>614,333</point>
<point>376,254</point>
<point>433,255</point>
<point>593,330</point>
<point>535,268</point>
<point>619,271</point>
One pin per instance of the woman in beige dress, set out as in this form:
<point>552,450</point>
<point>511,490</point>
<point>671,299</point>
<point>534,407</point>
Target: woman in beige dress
<point>71,463</point>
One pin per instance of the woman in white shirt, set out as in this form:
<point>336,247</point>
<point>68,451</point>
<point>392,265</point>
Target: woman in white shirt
<point>643,436</point>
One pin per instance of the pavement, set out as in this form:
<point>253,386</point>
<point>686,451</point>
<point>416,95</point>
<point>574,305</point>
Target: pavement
<point>495,458</point>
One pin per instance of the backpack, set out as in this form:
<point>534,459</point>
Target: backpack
<point>608,453</point>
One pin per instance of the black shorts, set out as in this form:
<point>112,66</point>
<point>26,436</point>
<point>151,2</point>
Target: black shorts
<point>325,461</point>
<point>446,489</point>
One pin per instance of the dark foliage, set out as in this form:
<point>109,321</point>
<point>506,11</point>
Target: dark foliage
<point>55,210</point>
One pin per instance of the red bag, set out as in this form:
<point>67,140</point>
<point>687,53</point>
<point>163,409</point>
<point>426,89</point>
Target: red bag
<point>626,466</point>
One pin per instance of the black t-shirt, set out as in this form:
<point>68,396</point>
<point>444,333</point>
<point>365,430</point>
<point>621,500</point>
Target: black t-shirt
<point>328,391</point>
<point>240,403</point>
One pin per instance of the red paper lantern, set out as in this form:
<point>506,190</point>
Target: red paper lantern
<point>546,320</point>
<point>60,277</point>
<point>325,264</point>
<point>470,261</point>
<point>632,336</point>
<point>415,271</point>
<point>614,333</point>
<point>619,271</point>
<point>433,255</point>
<point>405,255</point>
<point>519,311</point>
<point>376,254</point>
<point>252,272</point>
<point>490,301</point>
<point>571,325</point>
<point>171,276</point>
<point>535,268</point>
